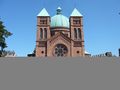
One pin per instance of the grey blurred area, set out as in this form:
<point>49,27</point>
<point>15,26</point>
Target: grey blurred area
<point>79,73</point>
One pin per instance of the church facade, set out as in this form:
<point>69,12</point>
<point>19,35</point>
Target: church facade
<point>59,36</point>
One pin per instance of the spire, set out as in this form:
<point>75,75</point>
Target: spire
<point>43,13</point>
<point>76,13</point>
<point>59,10</point>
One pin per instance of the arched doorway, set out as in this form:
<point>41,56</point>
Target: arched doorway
<point>60,50</point>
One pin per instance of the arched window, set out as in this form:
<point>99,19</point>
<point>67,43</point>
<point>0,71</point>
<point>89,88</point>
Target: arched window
<point>52,33</point>
<point>45,33</point>
<point>79,33</point>
<point>41,33</point>
<point>43,21</point>
<point>75,33</point>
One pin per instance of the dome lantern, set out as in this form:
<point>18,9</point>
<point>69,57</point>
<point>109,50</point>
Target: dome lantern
<point>59,10</point>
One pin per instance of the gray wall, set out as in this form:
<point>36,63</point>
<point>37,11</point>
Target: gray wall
<point>60,73</point>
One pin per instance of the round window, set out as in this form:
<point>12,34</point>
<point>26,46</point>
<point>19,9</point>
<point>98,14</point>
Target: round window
<point>78,52</point>
<point>60,50</point>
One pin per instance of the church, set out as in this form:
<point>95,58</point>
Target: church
<point>59,36</point>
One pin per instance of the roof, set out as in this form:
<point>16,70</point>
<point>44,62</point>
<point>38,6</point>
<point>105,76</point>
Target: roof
<point>59,20</point>
<point>86,52</point>
<point>76,13</point>
<point>43,12</point>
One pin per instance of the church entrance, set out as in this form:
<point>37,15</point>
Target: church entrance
<point>60,50</point>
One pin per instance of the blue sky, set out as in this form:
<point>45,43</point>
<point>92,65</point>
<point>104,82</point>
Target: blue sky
<point>101,22</point>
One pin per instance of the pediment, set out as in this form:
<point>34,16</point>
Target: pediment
<point>60,37</point>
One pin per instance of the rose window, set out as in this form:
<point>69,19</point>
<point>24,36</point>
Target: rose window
<point>60,50</point>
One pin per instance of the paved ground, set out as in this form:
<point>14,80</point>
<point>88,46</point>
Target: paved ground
<point>92,60</point>
<point>60,73</point>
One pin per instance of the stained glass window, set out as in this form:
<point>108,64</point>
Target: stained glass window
<point>60,50</point>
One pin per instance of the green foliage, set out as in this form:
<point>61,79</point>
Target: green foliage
<point>3,35</point>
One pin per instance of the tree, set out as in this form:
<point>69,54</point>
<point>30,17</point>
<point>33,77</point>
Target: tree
<point>3,35</point>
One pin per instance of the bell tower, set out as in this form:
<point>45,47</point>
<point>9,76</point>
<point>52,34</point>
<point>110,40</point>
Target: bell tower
<point>76,33</point>
<point>43,33</point>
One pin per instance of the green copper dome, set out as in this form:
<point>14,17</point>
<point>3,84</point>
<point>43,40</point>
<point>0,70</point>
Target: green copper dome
<point>59,20</point>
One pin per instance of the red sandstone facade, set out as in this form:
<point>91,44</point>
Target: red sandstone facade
<point>60,41</point>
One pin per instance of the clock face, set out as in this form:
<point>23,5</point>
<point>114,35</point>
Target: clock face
<point>60,50</point>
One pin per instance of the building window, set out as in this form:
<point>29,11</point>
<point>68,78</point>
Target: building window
<point>42,52</point>
<point>43,21</point>
<point>52,33</point>
<point>77,44</point>
<point>75,33</point>
<point>60,50</point>
<point>41,33</point>
<point>76,21</point>
<point>78,52</point>
<point>45,33</point>
<point>66,35</point>
<point>42,43</point>
<point>79,33</point>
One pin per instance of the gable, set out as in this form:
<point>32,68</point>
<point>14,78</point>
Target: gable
<point>59,37</point>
